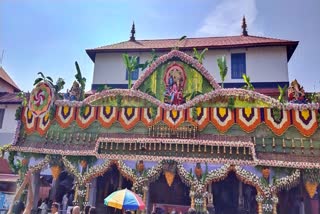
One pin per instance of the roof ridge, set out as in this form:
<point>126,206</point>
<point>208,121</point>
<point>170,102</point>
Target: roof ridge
<point>5,76</point>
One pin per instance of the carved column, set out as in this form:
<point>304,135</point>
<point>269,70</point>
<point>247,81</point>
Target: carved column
<point>240,199</point>
<point>275,201</point>
<point>259,199</point>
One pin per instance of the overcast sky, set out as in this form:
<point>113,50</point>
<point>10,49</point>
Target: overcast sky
<point>48,36</point>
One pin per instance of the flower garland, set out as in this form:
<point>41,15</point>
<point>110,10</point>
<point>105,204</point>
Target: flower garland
<point>286,182</point>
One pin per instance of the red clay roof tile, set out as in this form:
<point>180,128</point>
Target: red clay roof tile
<point>7,78</point>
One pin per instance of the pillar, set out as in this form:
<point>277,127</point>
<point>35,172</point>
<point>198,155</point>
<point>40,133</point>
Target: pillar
<point>275,201</point>
<point>192,199</point>
<point>145,189</point>
<point>93,192</point>
<point>259,199</point>
<point>210,197</point>
<point>35,179</point>
<point>240,199</point>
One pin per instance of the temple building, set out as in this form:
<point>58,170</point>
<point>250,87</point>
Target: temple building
<point>220,130</point>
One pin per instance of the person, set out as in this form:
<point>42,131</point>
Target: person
<point>191,211</point>
<point>65,203</point>
<point>55,208</point>
<point>86,209</point>
<point>92,210</point>
<point>76,210</point>
<point>44,207</point>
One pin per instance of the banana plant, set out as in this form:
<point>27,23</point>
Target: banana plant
<point>222,64</point>
<point>131,63</point>
<point>154,57</point>
<point>81,80</point>
<point>282,92</point>
<point>199,56</point>
<point>43,78</point>
<point>248,85</point>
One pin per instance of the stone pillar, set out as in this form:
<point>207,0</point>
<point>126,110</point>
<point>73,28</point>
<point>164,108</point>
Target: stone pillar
<point>259,199</point>
<point>93,192</point>
<point>35,179</point>
<point>240,199</point>
<point>275,201</point>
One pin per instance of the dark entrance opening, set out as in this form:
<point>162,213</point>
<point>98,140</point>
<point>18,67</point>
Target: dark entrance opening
<point>226,196</point>
<point>111,181</point>
<point>167,197</point>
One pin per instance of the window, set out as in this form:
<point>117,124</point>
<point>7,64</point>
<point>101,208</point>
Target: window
<point>1,117</point>
<point>238,65</point>
<point>135,73</point>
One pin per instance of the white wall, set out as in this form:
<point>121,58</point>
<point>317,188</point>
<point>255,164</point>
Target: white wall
<point>264,64</point>
<point>5,87</point>
<point>9,124</point>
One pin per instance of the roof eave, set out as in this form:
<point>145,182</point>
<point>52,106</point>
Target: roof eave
<point>290,49</point>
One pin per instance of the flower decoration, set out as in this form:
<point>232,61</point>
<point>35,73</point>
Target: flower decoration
<point>41,99</point>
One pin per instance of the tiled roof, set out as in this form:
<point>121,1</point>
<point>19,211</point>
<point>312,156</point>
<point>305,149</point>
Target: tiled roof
<point>190,43</point>
<point>9,98</point>
<point>4,167</point>
<point>4,76</point>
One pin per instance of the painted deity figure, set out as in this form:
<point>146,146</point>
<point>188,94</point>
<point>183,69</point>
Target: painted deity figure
<point>174,80</point>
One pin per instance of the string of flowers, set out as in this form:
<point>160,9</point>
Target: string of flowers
<point>286,182</point>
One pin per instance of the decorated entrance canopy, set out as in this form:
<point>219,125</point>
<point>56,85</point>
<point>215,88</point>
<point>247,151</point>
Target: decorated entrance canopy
<point>174,113</point>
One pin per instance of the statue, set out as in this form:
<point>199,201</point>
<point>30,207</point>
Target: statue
<point>296,93</point>
<point>74,93</point>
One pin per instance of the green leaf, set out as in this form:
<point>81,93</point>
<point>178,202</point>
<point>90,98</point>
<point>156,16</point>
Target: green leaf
<point>50,79</point>
<point>41,74</point>
<point>182,38</point>
<point>37,81</point>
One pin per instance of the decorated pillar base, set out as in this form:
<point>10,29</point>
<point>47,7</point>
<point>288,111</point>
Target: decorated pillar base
<point>259,199</point>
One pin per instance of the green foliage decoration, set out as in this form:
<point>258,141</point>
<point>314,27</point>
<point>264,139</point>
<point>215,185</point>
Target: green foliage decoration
<point>282,93</point>
<point>311,175</point>
<point>222,64</point>
<point>231,102</point>
<point>81,80</point>
<point>248,85</point>
<point>15,167</point>
<point>131,63</point>
<point>199,55</point>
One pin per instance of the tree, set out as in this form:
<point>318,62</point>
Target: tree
<point>81,80</point>
<point>222,64</point>
<point>248,85</point>
<point>131,63</point>
<point>199,56</point>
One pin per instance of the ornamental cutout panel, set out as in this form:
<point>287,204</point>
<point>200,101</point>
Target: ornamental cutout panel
<point>174,118</point>
<point>202,116</point>
<point>277,125</point>
<point>65,115</point>
<point>129,116</point>
<point>222,118</point>
<point>89,115</point>
<point>248,118</point>
<point>146,116</point>
<point>305,121</point>
<point>41,99</point>
<point>29,120</point>
<point>107,115</point>
<point>44,123</point>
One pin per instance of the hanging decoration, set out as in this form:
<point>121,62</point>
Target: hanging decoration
<point>151,116</point>
<point>222,118</point>
<point>29,120</point>
<point>277,125</point>
<point>305,121</point>
<point>44,123</point>
<point>174,118</point>
<point>107,115</point>
<point>41,99</point>
<point>129,116</point>
<point>85,116</point>
<point>65,115</point>
<point>198,116</point>
<point>248,118</point>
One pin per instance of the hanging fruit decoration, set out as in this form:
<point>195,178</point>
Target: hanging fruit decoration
<point>311,188</point>
<point>169,177</point>
<point>25,161</point>
<point>169,170</point>
<point>198,170</point>
<point>266,172</point>
<point>140,166</point>
<point>55,171</point>
<point>83,164</point>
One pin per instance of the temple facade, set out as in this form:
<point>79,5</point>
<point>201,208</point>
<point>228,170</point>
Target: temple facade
<point>176,137</point>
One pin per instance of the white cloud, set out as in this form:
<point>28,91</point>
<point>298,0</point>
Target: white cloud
<point>226,18</point>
